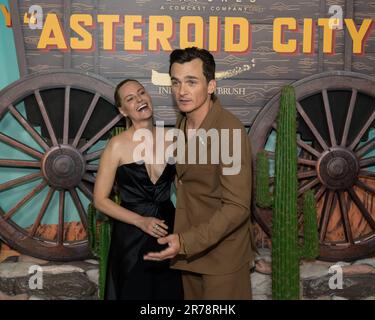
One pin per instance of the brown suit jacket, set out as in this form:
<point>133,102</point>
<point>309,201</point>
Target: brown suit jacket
<point>212,209</point>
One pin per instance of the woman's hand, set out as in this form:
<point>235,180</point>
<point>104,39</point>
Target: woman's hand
<point>152,226</point>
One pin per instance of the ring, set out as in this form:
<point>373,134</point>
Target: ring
<point>155,226</point>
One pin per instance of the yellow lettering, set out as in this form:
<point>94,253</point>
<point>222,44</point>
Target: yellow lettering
<point>108,21</point>
<point>131,32</point>
<point>213,31</point>
<point>278,36</point>
<point>358,36</point>
<point>86,42</point>
<point>326,23</point>
<point>308,32</point>
<point>156,36</point>
<point>52,25</point>
<point>6,14</point>
<point>242,44</point>
<point>186,23</point>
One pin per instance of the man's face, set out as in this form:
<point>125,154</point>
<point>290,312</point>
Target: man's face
<point>189,85</point>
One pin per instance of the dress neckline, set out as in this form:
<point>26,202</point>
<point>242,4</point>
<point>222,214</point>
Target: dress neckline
<point>143,164</point>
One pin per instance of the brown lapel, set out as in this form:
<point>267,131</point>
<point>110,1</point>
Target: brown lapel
<point>206,124</point>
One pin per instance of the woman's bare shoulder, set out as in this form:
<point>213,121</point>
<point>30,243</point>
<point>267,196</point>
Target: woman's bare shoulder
<point>121,146</point>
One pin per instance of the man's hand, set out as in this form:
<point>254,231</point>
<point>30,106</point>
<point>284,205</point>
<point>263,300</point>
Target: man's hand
<point>173,248</point>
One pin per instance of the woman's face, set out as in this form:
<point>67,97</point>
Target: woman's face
<point>136,103</point>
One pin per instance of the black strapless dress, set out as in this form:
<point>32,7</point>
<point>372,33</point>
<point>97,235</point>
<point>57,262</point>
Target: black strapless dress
<point>129,277</point>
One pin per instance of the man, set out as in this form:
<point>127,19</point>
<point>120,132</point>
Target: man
<point>212,242</point>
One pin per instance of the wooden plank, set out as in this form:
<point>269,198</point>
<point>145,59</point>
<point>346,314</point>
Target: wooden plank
<point>364,64</point>
<point>36,61</point>
<point>96,39</point>
<point>322,7</point>
<point>18,37</point>
<point>84,6</point>
<point>67,13</point>
<point>269,65</point>
<point>364,9</point>
<point>84,61</point>
<point>264,10</point>
<point>48,6</point>
<point>334,62</point>
<point>349,14</point>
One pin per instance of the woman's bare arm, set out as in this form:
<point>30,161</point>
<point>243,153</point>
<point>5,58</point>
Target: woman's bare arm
<point>109,162</point>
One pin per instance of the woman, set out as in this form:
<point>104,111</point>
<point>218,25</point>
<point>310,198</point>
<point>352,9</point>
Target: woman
<point>146,212</point>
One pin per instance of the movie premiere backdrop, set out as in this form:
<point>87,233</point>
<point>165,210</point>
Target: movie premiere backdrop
<point>69,55</point>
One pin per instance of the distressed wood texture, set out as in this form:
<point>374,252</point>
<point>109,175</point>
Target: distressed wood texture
<point>251,78</point>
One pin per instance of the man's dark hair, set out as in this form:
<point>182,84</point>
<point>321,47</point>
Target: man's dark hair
<point>189,54</point>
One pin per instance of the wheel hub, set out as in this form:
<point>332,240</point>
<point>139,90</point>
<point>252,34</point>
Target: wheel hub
<point>338,168</point>
<point>63,167</point>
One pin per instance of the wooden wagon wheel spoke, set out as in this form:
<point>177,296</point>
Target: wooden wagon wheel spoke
<point>42,212</point>
<point>93,155</point>
<point>365,148</point>
<point>366,174</point>
<point>320,192</point>
<point>60,229</point>
<point>308,148</point>
<point>94,139</point>
<point>25,199</point>
<point>92,167</point>
<point>66,115</point>
<point>311,126</point>
<point>79,206</point>
<point>46,118</point>
<point>349,116</point>
<point>19,145</point>
<point>345,218</point>
<point>19,163</point>
<point>365,186</point>
<point>89,178</point>
<point>86,119</point>
<point>306,162</point>
<point>86,191</point>
<point>19,181</point>
<point>329,204</point>
<point>367,162</point>
<point>309,185</point>
<point>306,174</point>
<point>365,213</point>
<point>22,121</point>
<point>303,161</point>
<point>363,131</point>
<point>331,127</point>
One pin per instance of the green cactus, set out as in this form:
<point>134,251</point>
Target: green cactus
<point>285,266</point>
<point>263,195</point>
<point>286,252</point>
<point>99,243</point>
<point>104,243</point>
<point>92,233</point>
<point>311,239</point>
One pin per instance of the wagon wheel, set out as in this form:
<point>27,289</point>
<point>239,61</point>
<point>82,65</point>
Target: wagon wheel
<point>336,142</point>
<point>58,161</point>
